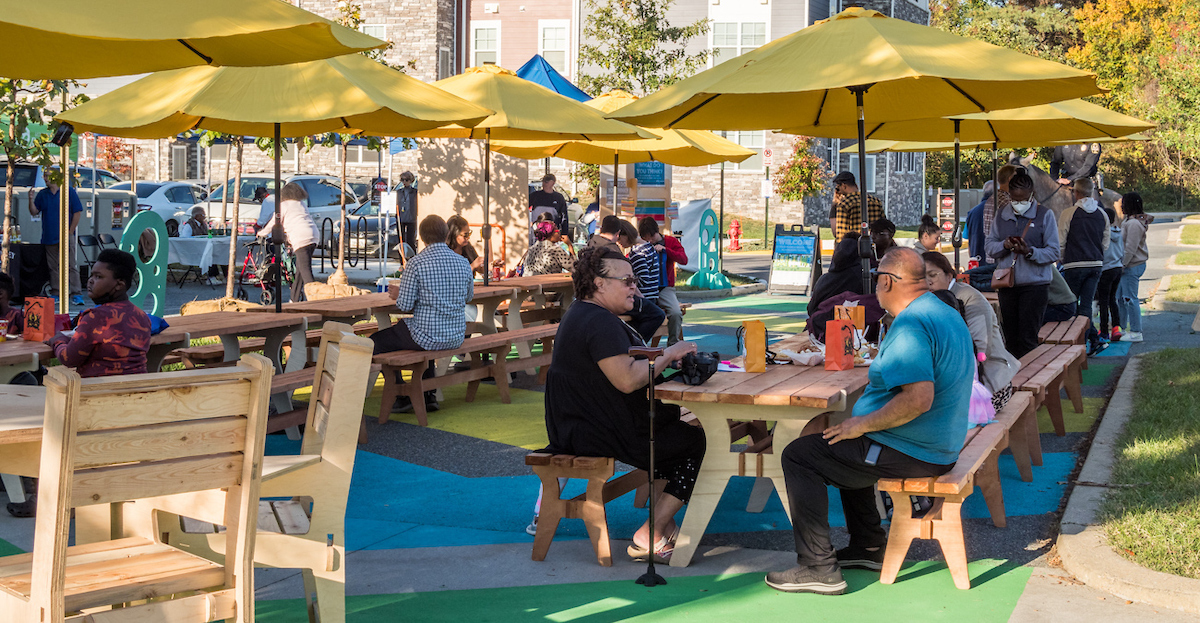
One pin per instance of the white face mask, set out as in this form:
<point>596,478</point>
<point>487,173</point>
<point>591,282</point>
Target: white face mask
<point>1020,207</point>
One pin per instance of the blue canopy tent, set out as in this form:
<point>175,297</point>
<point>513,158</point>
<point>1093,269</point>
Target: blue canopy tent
<point>538,71</point>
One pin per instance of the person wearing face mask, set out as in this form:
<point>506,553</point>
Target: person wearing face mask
<point>112,337</point>
<point>1024,237</point>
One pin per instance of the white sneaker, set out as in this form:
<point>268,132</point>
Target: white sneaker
<point>1132,336</point>
<point>531,529</point>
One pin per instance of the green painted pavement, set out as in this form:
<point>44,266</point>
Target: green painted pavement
<point>1097,374</point>
<point>923,592</point>
<point>780,323</point>
<point>1073,422</point>
<point>8,549</point>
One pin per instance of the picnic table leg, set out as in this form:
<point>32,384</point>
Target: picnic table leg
<point>8,372</point>
<point>948,532</point>
<point>988,481</point>
<point>273,349</point>
<point>1054,406</point>
<point>1032,434</point>
<point>383,320</point>
<point>14,488</point>
<point>718,466</point>
<point>514,322</point>
<point>1074,385</point>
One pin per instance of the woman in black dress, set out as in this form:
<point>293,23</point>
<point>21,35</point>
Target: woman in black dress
<point>596,398</point>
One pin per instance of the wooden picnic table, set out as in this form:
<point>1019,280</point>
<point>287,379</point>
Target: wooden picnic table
<point>554,282</point>
<point>21,422</point>
<point>348,309</point>
<point>17,356</point>
<point>791,395</point>
<point>273,328</point>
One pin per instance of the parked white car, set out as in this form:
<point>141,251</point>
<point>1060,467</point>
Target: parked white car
<point>324,197</point>
<point>170,200</point>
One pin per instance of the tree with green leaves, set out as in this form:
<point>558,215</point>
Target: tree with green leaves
<point>25,104</point>
<point>804,174</point>
<point>635,48</point>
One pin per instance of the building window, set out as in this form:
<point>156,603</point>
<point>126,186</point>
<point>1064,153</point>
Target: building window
<point>444,67</point>
<point>220,152</point>
<point>379,31</point>
<point>552,43</point>
<point>731,39</point>
<point>485,43</point>
<point>853,168</point>
<point>357,155</point>
<point>750,139</point>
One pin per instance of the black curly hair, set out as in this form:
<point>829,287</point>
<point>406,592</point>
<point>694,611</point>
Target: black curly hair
<point>589,266</point>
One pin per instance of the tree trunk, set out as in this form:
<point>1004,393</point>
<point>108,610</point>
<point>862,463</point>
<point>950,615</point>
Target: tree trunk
<point>237,205</point>
<point>225,192</point>
<point>339,275</point>
<point>9,207</point>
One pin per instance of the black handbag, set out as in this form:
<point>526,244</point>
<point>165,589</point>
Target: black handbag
<point>698,367</point>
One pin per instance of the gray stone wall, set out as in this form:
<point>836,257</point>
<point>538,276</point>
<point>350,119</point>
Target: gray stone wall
<point>910,12</point>
<point>743,189</point>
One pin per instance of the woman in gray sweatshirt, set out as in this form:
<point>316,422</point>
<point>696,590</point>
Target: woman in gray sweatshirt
<point>1024,237</point>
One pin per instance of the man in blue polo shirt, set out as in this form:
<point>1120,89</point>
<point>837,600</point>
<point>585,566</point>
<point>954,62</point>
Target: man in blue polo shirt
<point>910,422</point>
<point>46,203</point>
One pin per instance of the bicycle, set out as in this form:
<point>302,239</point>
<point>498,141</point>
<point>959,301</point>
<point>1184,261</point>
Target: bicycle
<point>259,269</point>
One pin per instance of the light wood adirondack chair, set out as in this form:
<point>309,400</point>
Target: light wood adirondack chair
<point>193,440</point>
<point>309,532</point>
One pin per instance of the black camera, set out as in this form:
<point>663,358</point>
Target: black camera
<point>698,367</point>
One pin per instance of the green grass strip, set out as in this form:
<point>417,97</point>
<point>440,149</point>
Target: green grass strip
<point>1184,288</point>
<point>1188,258</point>
<point>1190,234</point>
<point>1155,521</point>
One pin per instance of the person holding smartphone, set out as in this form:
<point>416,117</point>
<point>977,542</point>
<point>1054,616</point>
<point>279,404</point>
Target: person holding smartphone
<point>1025,237</point>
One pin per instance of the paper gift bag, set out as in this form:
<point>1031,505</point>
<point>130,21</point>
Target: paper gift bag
<point>854,313</point>
<point>839,345</point>
<point>39,318</point>
<point>756,345</point>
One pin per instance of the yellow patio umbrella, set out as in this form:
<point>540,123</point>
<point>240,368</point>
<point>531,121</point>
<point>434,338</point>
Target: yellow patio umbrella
<point>684,148</point>
<point>855,67</point>
<point>524,111</point>
<point>349,94</point>
<point>875,146</point>
<point>1071,121</point>
<point>60,39</point>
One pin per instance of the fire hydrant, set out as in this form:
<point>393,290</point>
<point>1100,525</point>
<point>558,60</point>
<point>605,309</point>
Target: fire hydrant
<point>735,235</point>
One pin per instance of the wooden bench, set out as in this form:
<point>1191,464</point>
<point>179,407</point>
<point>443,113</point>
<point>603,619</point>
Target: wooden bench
<point>495,346</point>
<point>1019,416</point>
<point>1073,331</point>
<point>977,465</point>
<point>588,506</point>
<point>209,354</point>
<point>1047,369</point>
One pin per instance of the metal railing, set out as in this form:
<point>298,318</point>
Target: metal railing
<point>355,238</point>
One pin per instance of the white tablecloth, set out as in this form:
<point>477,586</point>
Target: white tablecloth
<point>203,252</point>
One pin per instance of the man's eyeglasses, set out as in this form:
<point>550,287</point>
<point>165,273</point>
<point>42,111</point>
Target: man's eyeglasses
<point>875,273</point>
<point>628,281</point>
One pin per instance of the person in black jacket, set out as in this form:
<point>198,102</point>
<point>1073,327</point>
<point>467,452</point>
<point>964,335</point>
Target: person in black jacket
<point>406,209</point>
<point>548,198</point>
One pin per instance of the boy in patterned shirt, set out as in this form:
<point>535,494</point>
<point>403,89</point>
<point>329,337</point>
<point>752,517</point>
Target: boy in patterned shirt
<point>113,337</point>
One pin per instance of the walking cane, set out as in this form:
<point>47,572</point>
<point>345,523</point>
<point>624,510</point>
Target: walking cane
<point>650,578</point>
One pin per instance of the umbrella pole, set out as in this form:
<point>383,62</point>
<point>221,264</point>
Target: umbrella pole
<point>956,237</point>
<point>864,242</point>
<point>721,222</point>
<point>616,164</point>
<point>487,198</point>
<point>64,230</point>
<point>277,231</point>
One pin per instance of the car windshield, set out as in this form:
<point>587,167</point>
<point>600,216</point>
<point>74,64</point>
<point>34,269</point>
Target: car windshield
<point>249,184</point>
<point>366,209</point>
<point>23,175</point>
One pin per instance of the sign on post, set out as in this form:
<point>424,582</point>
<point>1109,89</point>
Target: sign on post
<point>795,260</point>
<point>768,157</point>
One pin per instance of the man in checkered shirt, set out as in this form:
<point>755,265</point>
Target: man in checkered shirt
<point>436,285</point>
<point>846,214</point>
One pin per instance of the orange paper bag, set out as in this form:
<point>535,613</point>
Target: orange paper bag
<point>756,345</point>
<point>39,319</point>
<point>839,345</point>
<point>854,313</point>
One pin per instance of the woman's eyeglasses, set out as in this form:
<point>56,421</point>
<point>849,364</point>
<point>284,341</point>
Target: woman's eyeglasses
<point>466,234</point>
<point>628,281</point>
